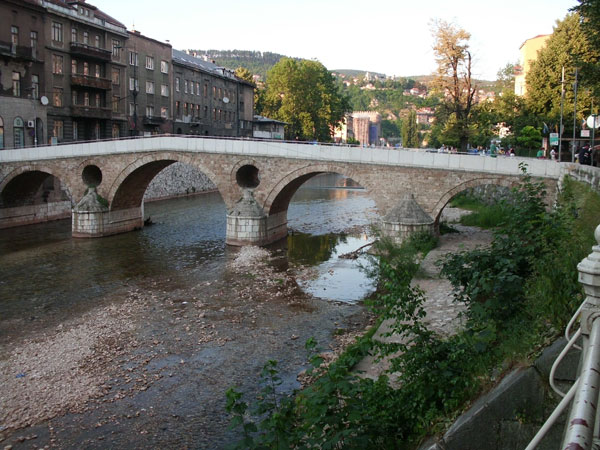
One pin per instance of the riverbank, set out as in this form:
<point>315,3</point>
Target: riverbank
<point>131,341</point>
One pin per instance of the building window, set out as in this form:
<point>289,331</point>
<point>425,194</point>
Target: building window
<point>177,84</point>
<point>164,90</point>
<point>164,112</point>
<point>131,109</point>
<point>75,131</point>
<point>16,84</point>
<point>185,86</point>
<point>116,46</point>
<point>57,32</point>
<point>214,92</point>
<point>164,66</point>
<point>205,89</point>
<point>57,64</point>
<point>116,131</point>
<point>116,76</point>
<point>35,86</point>
<point>1,133</point>
<point>133,84</point>
<point>86,99</point>
<point>149,62</point>
<point>73,67</point>
<point>115,104</point>
<point>198,89</point>
<point>98,71</point>
<point>33,38</point>
<point>97,38</point>
<point>149,87</point>
<point>220,94</point>
<point>73,35</point>
<point>98,100</point>
<point>206,112</point>
<point>57,131</point>
<point>177,109</point>
<point>18,133</point>
<point>133,59</point>
<point>14,39</point>
<point>185,109</point>
<point>149,110</point>
<point>86,68</point>
<point>74,97</point>
<point>86,37</point>
<point>198,111</point>
<point>215,114</point>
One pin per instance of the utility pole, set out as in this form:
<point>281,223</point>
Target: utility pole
<point>562,100</point>
<point>573,146</point>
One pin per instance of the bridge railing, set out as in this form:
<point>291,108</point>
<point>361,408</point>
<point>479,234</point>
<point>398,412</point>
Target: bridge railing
<point>266,140</point>
<point>582,430</point>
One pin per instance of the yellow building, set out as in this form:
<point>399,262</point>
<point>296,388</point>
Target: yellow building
<point>529,52</point>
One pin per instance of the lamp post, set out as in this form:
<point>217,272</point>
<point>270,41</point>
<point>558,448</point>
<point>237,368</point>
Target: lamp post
<point>33,98</point>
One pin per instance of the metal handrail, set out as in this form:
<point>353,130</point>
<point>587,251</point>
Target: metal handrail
<point>583,426</point>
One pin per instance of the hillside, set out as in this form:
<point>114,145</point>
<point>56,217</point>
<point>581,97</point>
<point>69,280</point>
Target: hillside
<point>256,62</point>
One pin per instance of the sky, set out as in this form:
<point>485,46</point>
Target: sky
<point>386,36</point>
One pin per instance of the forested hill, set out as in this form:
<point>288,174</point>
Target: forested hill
<point>256,62</point>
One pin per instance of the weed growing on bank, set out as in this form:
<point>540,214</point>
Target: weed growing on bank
<point>518,292</point>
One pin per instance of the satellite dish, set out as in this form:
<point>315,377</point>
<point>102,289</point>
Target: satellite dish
<point>44,100</point>
<point>225,100</point>
<point>593,121</point>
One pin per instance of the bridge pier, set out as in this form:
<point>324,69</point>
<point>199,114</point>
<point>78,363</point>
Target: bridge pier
<point>91,217</point>
<point>406,219</point>
<point>247,223</point>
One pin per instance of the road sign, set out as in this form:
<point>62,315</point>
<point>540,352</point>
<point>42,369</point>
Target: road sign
<point>585,133</point>
<point>553,139</point>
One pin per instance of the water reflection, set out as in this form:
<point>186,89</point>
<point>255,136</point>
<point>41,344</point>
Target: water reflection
<point>44,268</point>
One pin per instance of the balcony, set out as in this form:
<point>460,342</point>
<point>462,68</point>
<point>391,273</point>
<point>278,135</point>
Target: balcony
<point>92,112</point>
<point>16,51</point>
<point>89,51</point>
<point>153,120</point>
<point>91,82</point>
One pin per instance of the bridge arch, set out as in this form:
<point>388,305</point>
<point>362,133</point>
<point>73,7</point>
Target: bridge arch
<point>447,196</point>
<point>128,188</point>
<point>279,197</point>
<point>22,186</point>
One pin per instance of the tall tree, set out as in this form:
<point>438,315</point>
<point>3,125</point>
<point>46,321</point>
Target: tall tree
<point>589,11</point>
<point>303,94</point>
<point>568,47</point>
<point>454,67</point>
<point>410,133</point>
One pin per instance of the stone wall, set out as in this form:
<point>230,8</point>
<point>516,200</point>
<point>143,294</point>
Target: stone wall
<point>176,180</point>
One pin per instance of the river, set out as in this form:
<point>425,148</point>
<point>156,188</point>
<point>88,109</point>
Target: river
<point>130,341</point>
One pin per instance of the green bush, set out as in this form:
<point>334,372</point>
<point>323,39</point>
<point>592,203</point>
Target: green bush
<point>521,286</point>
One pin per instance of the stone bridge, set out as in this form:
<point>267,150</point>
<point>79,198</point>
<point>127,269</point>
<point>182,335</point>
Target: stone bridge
<point>102,184</point>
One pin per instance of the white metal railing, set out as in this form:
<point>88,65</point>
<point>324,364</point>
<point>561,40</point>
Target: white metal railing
<point>582,430</point>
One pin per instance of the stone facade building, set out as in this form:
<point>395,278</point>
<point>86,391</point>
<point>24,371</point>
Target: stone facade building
<point>71,72</point>
<point>209,100</point>
<point>83,48</point>
<point>22,42</point>
<point>149,83</point>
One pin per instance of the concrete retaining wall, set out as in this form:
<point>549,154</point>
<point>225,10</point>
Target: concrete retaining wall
<point>510,415</point>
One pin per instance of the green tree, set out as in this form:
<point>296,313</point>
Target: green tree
<point>568,47</point>
<point>453,80</point>
<point>589,10</point>
<point>505,78</point>
<point>410,134</point>
<point>304,94</point>
<point>530,138</point>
